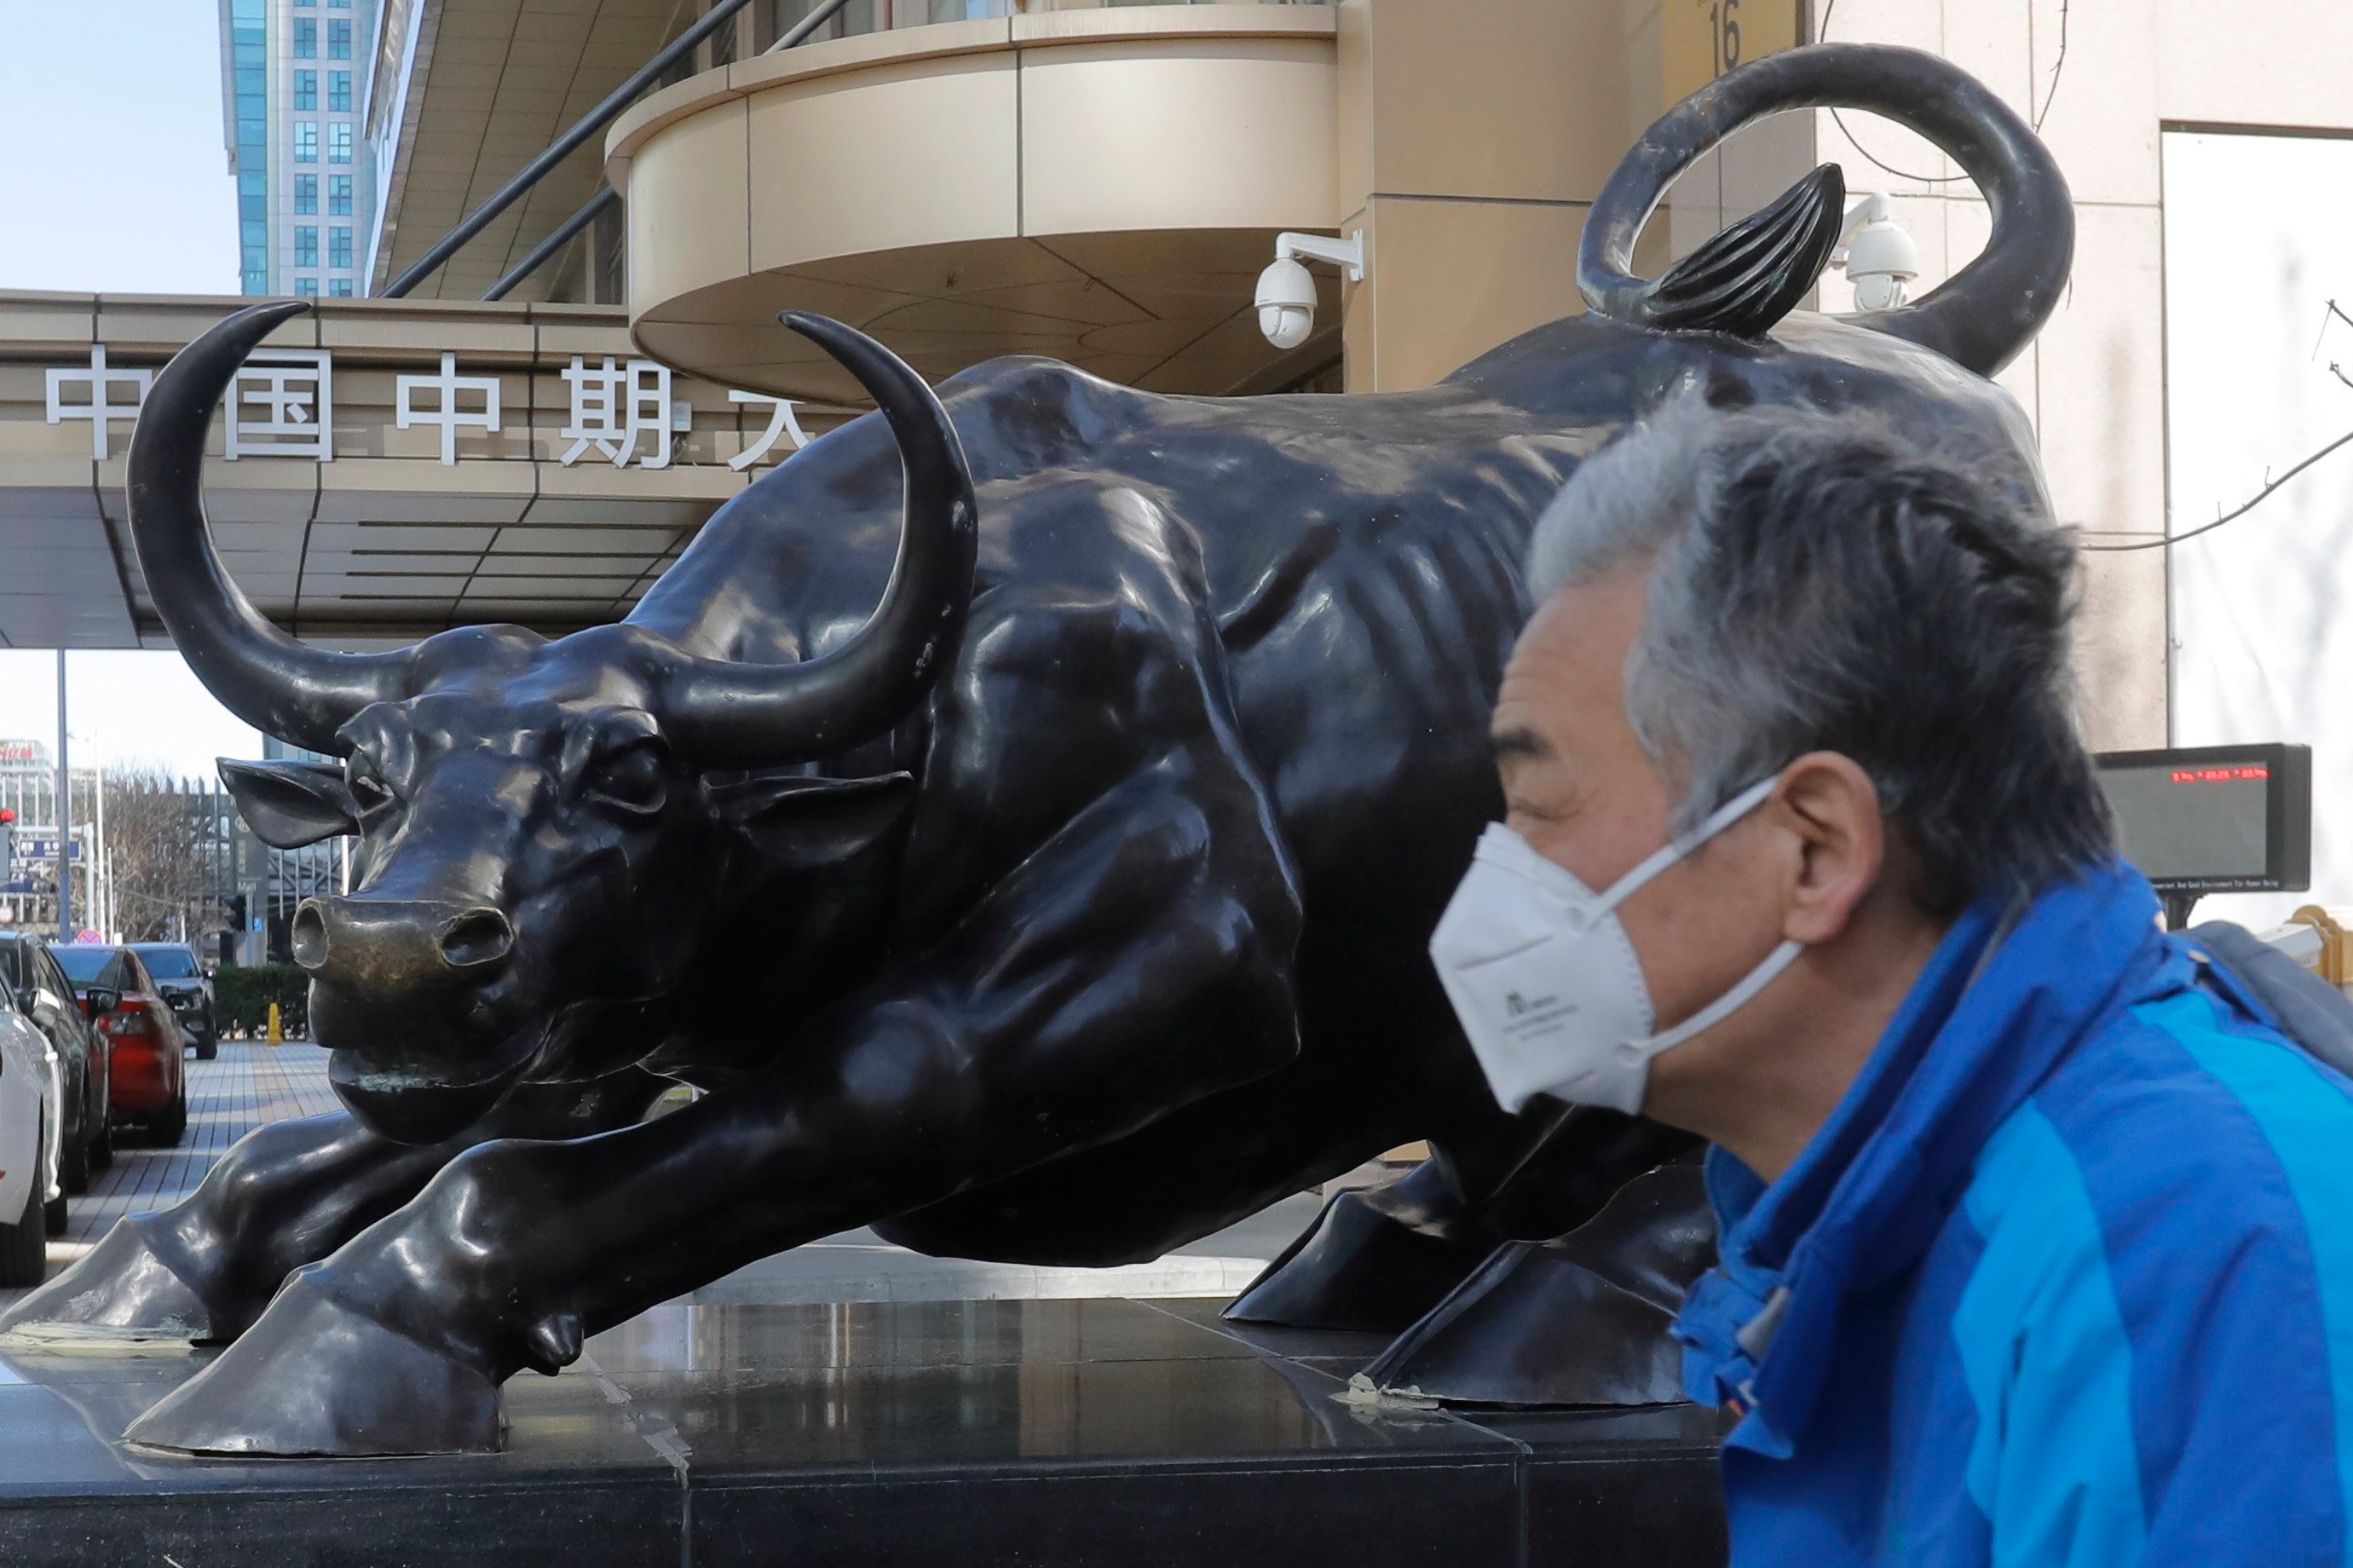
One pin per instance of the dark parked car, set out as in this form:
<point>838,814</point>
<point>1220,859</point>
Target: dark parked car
<point>145,1044</point>
<point>187,989</point>
<point>39,989</point>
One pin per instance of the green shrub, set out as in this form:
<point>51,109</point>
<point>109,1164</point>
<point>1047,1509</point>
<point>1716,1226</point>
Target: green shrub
<point>241,998</point>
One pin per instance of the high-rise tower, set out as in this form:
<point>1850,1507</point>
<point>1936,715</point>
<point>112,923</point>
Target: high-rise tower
<point>295,79</point>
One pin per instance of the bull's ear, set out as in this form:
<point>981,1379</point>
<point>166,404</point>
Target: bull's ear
<point>288,804</point>
<point>800,823</point>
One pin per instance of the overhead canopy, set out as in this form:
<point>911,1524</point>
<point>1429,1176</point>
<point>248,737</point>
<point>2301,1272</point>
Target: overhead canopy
<point>488,86</point>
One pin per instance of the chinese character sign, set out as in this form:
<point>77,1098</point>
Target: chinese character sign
<point>448,412</point>
<point>612,406</point>
<point>282,405</point>
<point>99,408</point>
<point>781,423</point>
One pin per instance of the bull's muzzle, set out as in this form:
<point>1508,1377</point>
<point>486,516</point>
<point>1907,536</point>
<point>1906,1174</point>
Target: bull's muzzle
<point>380,946</point>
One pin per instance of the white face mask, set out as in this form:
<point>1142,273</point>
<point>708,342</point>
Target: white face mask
<point>1547,983</point>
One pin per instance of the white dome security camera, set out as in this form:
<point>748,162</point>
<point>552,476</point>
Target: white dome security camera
<point>1286,289</point>
<point>1880,258</point>
<point>1286,303</point>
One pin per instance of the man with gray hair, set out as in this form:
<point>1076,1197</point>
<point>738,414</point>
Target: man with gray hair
<point>2036,1233</point>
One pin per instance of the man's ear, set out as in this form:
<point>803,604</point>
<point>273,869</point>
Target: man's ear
<point>800,824</point>
<point>288,804</point>
<point>1834,808</point>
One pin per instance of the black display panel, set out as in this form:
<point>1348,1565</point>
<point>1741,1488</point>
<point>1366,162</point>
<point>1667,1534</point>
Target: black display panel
<point>2215,819</point>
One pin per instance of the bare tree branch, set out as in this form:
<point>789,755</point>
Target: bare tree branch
<point>157,835</point>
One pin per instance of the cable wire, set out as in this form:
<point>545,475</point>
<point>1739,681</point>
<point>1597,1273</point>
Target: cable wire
<point>1821,35</point>
<point>2057,65</point>
<point>2328,309</point>
<point>2241,510</point>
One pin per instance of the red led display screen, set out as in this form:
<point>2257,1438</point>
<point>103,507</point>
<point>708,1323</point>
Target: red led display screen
<point>2215,818</point>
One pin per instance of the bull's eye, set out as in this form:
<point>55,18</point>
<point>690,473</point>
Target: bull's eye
<point>630,778</point>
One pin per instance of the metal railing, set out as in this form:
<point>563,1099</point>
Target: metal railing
<point>588,125</point>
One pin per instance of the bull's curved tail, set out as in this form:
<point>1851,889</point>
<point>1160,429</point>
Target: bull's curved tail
<point>1982,317</point>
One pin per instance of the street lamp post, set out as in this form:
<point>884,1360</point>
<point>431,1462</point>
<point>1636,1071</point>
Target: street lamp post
<point>65,816</point>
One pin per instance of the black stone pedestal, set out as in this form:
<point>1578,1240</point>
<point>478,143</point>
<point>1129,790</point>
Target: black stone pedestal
<point>934,1434</point>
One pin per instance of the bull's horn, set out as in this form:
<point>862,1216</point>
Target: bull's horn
<point>724,714</point>
<point>1985,314</point>
<point>261,675</point>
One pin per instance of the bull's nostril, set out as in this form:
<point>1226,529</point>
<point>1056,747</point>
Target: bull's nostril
<point>307,936</point>
<point>477,937</point>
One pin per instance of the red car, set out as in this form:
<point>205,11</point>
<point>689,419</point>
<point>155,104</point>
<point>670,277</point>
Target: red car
<point>145,1046</point>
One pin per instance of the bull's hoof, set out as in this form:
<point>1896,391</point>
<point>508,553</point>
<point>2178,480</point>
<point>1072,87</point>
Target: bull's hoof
<point>1581,1321</point>
<point>123,1288</point>
<point>314,1377</point>
<point>1357,1267</point>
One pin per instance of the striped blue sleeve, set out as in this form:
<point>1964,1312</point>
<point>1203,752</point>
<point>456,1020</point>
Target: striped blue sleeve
<point>2045,1356</point>
<point>2161,1321</point>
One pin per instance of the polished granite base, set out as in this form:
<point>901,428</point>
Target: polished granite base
<point>935,1434</point>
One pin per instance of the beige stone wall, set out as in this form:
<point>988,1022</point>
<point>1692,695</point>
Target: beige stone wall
<point>2093,383</point>
<point>1469,167</point>
<point>1473,138</point>
<point>1470,164</point>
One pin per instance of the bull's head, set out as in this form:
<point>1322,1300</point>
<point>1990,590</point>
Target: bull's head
<point>538,824</point>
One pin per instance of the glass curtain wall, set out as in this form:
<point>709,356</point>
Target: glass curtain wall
<point>292,94</point>
<point>249,114</point>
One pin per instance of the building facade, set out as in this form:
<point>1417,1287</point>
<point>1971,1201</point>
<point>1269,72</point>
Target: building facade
<point>294,79</point>
<point>28,792</point>
<point>152,858</point>
<point>1103,182</point>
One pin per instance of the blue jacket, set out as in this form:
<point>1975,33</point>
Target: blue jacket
<point>2066,1279</point>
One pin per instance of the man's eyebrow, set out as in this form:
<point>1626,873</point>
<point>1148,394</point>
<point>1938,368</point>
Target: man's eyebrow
<point>1518,742</point>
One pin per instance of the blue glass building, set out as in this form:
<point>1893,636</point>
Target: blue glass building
<point>295,91</point>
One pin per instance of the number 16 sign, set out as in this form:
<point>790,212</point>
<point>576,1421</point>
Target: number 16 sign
<point>1705,39</point>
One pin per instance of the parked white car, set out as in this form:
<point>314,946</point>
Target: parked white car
<point>31,1108</point>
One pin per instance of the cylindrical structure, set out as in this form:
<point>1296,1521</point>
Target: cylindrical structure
<point>1101,185</point>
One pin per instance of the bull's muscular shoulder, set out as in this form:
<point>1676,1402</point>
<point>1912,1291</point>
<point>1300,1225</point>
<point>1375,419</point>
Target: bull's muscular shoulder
<point>1068,684</point>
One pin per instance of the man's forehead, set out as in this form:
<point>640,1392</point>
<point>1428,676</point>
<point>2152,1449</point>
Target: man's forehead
<point>1564,683</point>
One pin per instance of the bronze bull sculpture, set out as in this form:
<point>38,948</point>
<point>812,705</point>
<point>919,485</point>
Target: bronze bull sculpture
<point>1066,906</point>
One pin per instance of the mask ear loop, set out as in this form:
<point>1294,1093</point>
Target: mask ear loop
<point>1722,818</point>
<point>1716,1012</point>
<point>1756,979</point>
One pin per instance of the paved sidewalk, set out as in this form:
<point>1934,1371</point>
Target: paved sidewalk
<point>247,1086</point>
<point>250,1085</point>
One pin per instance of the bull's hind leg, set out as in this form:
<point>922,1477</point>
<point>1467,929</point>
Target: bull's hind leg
<point>1545,1270</point>
<point>286,1195</point>
<point>1579,1319</point>
<point>1383,1257</point>
<point>1375,1258</point>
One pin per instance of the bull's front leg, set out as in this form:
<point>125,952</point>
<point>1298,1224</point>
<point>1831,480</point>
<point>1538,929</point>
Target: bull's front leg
<point>1138,962</point>
<point>286,1195</point>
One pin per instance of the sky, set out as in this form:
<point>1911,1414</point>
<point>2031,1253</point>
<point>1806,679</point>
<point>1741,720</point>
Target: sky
<point>116,180</point>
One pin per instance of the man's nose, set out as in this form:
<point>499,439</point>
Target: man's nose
<point>370,944</point>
